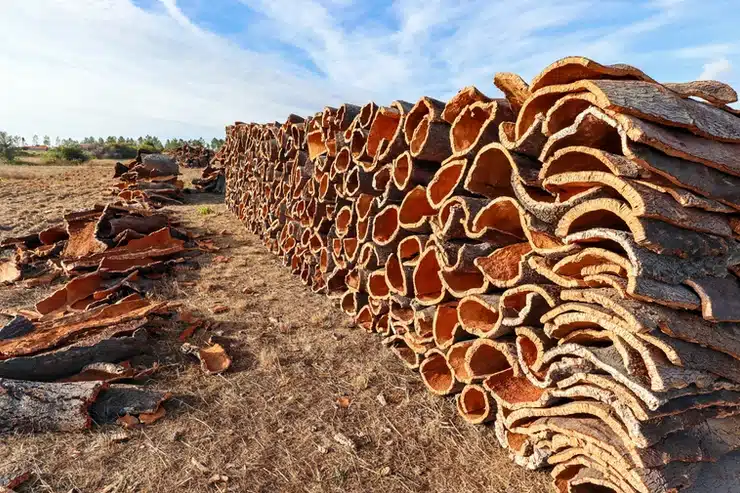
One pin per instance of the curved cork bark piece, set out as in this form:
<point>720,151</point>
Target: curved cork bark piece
<point>425,107</point>
<point>525,305</point>
<point>352,302</point>
<point>437,375</point>
<point>696,363</point>
<point>590,129</point>
<point>401,309</point>
<point>563,113</point>
<point>644,201</point>
<point>495,167</point>
<point>34,406</point>
<point>646,263</point>
<point>687,198</point>
<point>359,181</point>
<point>456,356</point>
<point>645,100</point>
<point>478,125</point>
<point>460,276</point>
<point>116,343</point>
<point>81,227</point>
<point>376,285</point>
<point>356,279</point>
<point>515,90</point>
<point>424,321</point>
<point>530,144</point>
<point>365,319</point>
<point>575,68</point>
<point>336,285</point>
<point>506,219</point>
<point>581,158</point>
<point>446,329</point>
<point>712,91</point>
<point>454,221</point>
<point>464,97</point>
<point>316,144</point>
<point>479,314</point>
<point>53,333</point>
<point>346,114</point>
<point>387,227</point>
<point>646,317</point>
<point>415,211</point>
<point>675,143</point>
<point>655,235</point>
<point>694,359</point>
<point>420,344</point>
<point>342,163</point>
<point>410,248</point>
<point>357,145</point>
<point>720,297</point>
<point>367,115</point>
<point>447,181</point>
<point>486,357</point>
<point>399,277</point>
<point>344,221</point>
<point>508,266</point>
<point>387,126</point>
<point>431,140</point>
<point>408,172</point>
<point>428,287</point>
<point>400,348</point>
<point>474,405</point>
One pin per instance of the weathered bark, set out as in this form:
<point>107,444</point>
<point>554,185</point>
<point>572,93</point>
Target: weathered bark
<point>437,374</point>
<point>34,406</point>
<point>477,125</point>
<point>465,97</point>
<point>575,68</point>
<point>113,345</point>
<point>712,91</point>
<point>118,400</point>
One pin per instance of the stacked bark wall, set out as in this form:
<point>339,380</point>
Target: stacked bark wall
<point>563,260</point>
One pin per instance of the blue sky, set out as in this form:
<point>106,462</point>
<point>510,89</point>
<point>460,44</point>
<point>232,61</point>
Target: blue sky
<point>186,68</point>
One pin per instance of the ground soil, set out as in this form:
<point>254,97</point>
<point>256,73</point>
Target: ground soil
<point>269,424</point>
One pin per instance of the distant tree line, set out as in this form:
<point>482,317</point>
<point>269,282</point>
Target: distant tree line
<point>90,147</point>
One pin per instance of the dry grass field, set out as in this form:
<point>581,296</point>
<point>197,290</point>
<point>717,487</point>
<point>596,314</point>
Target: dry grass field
<point>269,423</point>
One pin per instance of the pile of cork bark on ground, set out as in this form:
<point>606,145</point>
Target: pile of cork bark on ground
<point>71,360</point>
<point>563,260</point>
<point>192,156</point>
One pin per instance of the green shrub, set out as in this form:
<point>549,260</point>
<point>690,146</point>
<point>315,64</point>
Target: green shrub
<point>66,152</point>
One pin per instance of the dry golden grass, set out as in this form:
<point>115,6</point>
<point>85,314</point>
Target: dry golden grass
<point>269,424</point>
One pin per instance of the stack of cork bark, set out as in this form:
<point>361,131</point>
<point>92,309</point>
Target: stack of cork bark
<point>195,156</point>
<point>562,260</point>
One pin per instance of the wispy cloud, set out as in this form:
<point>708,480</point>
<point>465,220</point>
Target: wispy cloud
<point>175,68</point>
<point>716,69</point>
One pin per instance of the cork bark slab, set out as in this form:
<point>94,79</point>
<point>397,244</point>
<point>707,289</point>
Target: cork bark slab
<point>645,100</point>
<point>575,68</point>
<point>644,201</point>
<point>49,335</point>
<point>514,88</point>
<point>464,97</point>
<point>34,406</point>
<point>478,125</point>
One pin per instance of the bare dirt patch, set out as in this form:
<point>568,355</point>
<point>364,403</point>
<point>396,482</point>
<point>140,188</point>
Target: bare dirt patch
<point>310,403</point>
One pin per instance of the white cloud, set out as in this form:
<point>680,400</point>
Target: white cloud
<point>716,69</point>
<point>100,67</point>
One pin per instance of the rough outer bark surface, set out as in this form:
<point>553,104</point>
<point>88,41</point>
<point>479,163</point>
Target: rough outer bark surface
<point>119,400</point>
<point>34,406</point>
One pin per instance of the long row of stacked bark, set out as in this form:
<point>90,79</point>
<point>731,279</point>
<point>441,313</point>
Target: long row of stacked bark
<point>563,260</point>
